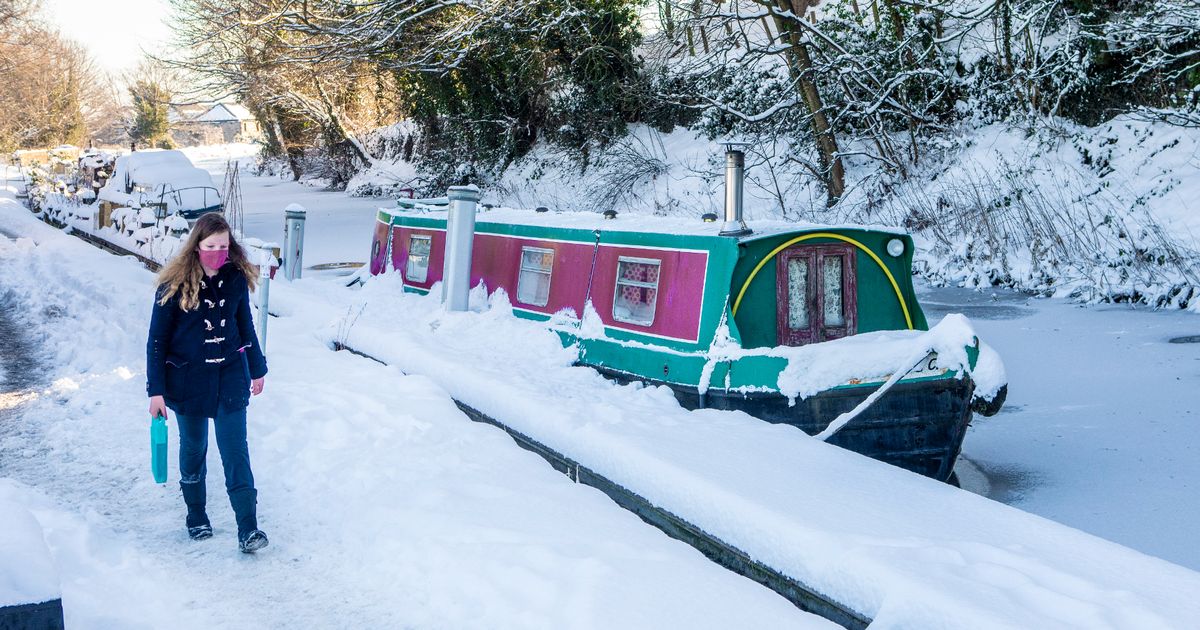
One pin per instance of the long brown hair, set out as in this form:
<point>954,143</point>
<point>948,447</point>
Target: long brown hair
<point>182,275</point>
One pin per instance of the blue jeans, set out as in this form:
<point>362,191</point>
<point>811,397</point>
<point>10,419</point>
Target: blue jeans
<point>230,427</point>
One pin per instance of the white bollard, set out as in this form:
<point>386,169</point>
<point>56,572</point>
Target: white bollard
<point>293,242</point>
<point>460,236</point>
<point>265,258</point>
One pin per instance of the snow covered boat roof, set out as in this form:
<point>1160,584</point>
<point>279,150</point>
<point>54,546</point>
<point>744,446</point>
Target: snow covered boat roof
<point>151,170</point>
<point>160,176</point>
<point>693,226</point>
<point>96,159</point>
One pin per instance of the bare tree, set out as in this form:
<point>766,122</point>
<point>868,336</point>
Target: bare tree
<point>55,94</point>
<point>14,11</point>
<point>333,69</point>
<point>15,28</point>
<point>252,50</point>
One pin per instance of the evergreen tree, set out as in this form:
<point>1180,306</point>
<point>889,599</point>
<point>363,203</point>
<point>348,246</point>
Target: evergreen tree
<point>150,124</point>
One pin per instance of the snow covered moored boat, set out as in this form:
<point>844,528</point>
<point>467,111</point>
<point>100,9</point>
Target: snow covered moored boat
<point>794,324</point>
<point>165,183</point>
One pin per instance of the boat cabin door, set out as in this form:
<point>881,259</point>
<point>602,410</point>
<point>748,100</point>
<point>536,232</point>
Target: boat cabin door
<point>816,296</point>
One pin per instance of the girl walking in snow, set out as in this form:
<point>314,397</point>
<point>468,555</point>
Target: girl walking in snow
<point>203,361</point>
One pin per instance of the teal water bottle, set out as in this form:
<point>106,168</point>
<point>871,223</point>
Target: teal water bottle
<point>158,449</point>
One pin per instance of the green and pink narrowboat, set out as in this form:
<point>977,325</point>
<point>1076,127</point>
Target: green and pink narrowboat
<point>792,324</point>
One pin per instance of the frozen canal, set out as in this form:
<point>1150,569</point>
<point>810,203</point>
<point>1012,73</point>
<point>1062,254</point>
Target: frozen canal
<point>1100,428</point>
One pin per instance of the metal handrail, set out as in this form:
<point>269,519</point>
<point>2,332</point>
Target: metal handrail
<point>168,192</point>
<point>179,198</point>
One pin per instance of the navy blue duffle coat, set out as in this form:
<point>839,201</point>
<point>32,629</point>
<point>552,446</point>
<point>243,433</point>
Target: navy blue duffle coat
<point>201,361</point>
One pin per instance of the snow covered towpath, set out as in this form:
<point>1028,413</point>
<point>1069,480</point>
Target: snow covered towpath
<point>386,507</point>
<point>902,550</point>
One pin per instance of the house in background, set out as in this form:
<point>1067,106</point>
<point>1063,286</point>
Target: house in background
<point>220,124</point>
<point>177,114</point>
<point>179,118</point>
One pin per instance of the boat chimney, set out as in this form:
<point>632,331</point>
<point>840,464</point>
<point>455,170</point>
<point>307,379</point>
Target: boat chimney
<point>460,238</point>
<point>735,171</point>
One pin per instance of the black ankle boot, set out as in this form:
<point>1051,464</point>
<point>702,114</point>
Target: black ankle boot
<point>252,541</point>
<point>200,532</point>
<point>197,519</point>
<point>245,510</point>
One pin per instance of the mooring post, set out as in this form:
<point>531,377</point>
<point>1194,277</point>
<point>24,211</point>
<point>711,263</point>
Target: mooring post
<point>293,241</point>
<point>265,258</point>
<point>460,234</point>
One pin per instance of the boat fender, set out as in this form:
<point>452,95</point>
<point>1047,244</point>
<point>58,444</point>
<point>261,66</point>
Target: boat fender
<point>980,405</point>
<point>988,408</point>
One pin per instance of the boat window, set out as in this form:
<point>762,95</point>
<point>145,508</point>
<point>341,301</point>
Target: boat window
<point>637,290</point>
<point>533,284</point>
<point>832,279</point>
<point>797,286</point>
<point>417,269</point>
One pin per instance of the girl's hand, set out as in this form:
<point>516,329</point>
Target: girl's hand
<point>256,385</point>
<point>158,407</point>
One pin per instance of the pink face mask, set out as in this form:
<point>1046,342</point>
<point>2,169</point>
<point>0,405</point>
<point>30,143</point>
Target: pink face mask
<point>214,258</point>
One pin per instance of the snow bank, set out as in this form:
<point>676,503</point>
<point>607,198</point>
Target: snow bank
<point>27,572</point>
<point>1095,214</point>
<point>214,157</point>
<point>1151,165</point>
<point>648,172</point>
<point>680,173</point>
<point>1106,213</point>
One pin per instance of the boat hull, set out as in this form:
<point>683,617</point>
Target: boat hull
<point>918,425</point>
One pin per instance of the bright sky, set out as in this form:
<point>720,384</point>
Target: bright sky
<point>115,32</point>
